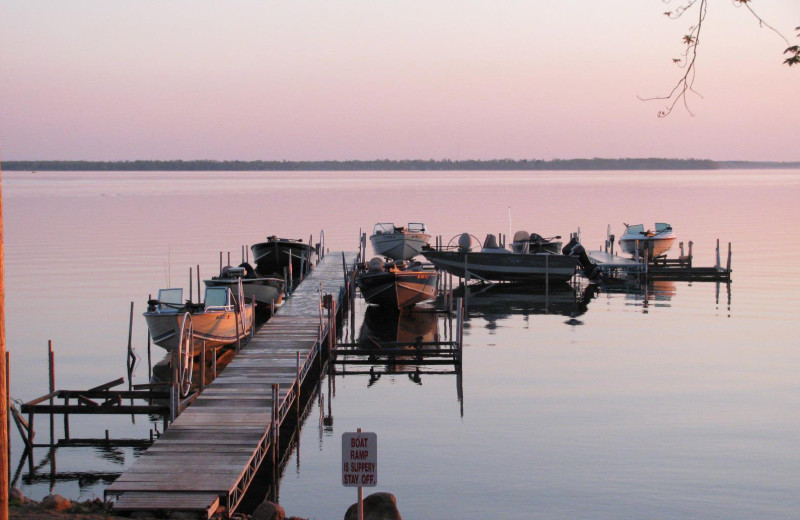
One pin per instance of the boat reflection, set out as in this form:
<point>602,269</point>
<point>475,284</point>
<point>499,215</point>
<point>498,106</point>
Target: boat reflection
<point>656,293</point>
<point>383,324</point>
<point>503,301</point>
<point>412,345</point>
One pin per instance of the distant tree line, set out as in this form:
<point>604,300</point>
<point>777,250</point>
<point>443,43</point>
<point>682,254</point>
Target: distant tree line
<point>402,165</point>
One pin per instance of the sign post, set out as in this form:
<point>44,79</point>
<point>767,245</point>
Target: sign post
<point>360,463</point>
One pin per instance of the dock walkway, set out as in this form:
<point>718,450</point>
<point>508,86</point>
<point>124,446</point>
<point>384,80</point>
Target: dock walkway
<point>210,453</point>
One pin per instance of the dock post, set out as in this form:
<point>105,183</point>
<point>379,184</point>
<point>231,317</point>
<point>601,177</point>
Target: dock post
<point>131,358</point>
<point>299,386</point>
<point>275,426</point>
<point>728,265</point>
<point>173,389</point>
<point>191,284</point>
<point>213,361</point>
<point>51,365</point>
<point>199,298</point>
<point>237,314</point>
<point>459,321</point>
<point>220,261</point>
<point>149,352</point>
<point>546,281</point>
<point>690,253</point>
<point>719,264</point>
<point>203,368</point>
<point>331,326</point>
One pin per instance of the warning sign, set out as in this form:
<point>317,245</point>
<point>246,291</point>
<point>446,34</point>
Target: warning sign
<point>359,459</point>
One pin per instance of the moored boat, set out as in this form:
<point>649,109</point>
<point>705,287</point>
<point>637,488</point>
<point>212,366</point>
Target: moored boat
<point>640,242</point>
<point>493,263</point>
<point>397,286</point>
<point>263,289</point>
<point>218,321</point>
<point>272,256</point>
<point>398,242</point>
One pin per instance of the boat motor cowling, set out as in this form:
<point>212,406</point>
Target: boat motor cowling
<point>465,242</point>
<point>376,265</point>
<point>574,248</point>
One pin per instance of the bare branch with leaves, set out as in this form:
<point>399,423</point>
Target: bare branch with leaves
<point>691,41</point>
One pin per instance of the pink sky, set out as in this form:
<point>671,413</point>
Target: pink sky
<point>368,79</point>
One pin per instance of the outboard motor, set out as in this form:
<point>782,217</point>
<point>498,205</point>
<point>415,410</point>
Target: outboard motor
<point>464,243</point>
<point>574,248</point>
<point>249,272</point>
<point>376,265</point>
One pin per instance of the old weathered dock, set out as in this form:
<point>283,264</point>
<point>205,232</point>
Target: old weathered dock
<point>210,453</point>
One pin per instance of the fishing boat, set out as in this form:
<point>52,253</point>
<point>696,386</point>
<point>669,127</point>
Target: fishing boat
<point>398,242</point>
<point>525,242</point>
<point>221,319</point>
<point>263,289</point>
<point>272,256</point>
<point>638,241</point>
<point>396,285</point>
<point>494,263</point>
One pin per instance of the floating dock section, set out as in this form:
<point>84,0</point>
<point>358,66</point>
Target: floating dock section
<point>663,268</point>
<point>211,452</point>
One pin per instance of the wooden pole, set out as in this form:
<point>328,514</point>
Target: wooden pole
<point>191,284</point>
<point>3,381</point>
<point>199,297</point>
<point>51,372</point>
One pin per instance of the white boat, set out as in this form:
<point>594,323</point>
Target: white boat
<point>398,242</point>
<point>638,241</point>
<point>220,320</point>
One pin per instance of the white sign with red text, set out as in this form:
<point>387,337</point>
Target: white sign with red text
<point>359,459</point>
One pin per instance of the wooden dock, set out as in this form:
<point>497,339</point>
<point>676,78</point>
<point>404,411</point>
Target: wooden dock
<point>211,452</point>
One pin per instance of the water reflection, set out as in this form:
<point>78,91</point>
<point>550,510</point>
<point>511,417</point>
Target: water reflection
<point>497,302</point>
<point>388,325</point>
<point>407,342</point>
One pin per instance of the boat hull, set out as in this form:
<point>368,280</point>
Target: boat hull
<point>399,246</point>
<point>506,267</point>
<point>272,256</point>
<point>398,290</point>
<point>213,329</point>
<point>652,246</point>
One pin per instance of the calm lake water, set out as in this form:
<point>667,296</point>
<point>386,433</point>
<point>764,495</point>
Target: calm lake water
<point>678,401</point>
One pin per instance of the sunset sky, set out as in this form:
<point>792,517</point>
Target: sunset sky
<point>373,79</point>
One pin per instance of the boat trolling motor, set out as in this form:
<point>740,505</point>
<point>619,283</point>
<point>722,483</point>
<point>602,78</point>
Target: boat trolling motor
<point>574,248</point>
